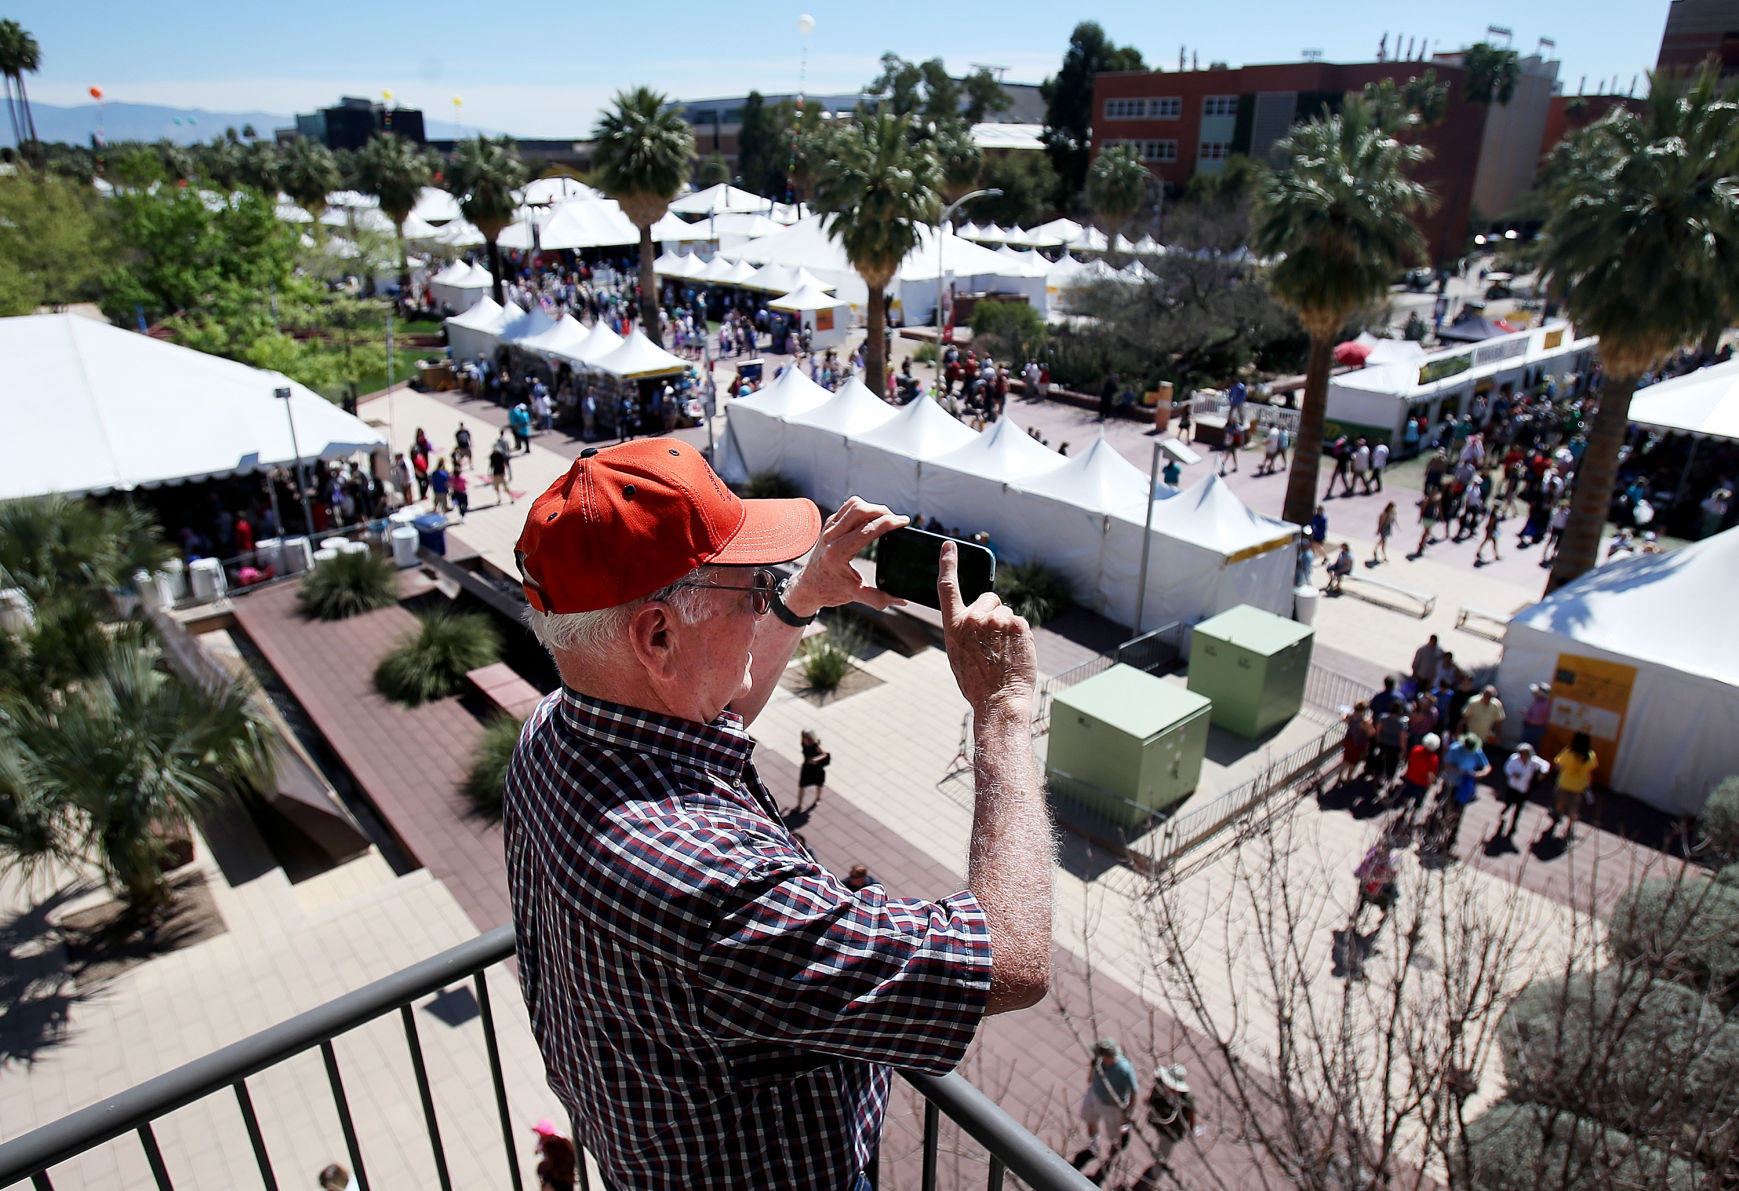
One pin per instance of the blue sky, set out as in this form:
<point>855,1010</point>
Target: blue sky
<point>541,69</point>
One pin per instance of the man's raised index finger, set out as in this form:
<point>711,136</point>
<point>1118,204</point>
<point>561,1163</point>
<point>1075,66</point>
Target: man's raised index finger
<point>948,586</point>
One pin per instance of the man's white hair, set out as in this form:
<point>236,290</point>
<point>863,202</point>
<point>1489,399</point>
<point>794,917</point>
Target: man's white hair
<point>593,632</point>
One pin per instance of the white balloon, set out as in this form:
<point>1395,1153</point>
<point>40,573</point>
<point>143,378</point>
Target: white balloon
<point>805,24</point>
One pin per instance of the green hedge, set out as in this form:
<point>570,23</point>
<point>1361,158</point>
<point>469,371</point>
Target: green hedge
<point>1526,1147</point>
<point>1687,928</point>
<point>1719,822</point>
<point>432,662</point>
<point>349,585</point>
<point>487,779</point>
<point>1639,1054</point>
<point>1034,590</point>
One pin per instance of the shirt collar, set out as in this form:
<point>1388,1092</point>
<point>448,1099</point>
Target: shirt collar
<point>721,747</point>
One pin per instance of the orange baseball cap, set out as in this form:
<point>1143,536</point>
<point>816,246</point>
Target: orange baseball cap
<point>627,520</point>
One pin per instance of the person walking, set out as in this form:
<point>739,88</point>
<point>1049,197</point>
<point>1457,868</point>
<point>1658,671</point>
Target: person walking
<point>1171,1110</point>
<point>813,773</point>
<point>519,421</point>
<point>1388,745</point>
<point>1108,1103</point>
<point>1356,744</point>
<point>1464,764</point>
<point>1537,714</point>
<point>1387,520</point>
<point>1379,462</point>
<point>1430,509</point>
<point>461,447</point>
<point>461,493</point>
<point>440,481</point>
<point>1521,771</point>
<point>1423,763</point>
<point>1574,767</point>
<point>1493,522</point>
<point>1229,444</point>
<point>557,1163</point>
<point>1270,452</point>
<point>499,473</point>
<point>401,478</point>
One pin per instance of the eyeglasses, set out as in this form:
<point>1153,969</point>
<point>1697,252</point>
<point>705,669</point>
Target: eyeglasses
<point>762,591</point>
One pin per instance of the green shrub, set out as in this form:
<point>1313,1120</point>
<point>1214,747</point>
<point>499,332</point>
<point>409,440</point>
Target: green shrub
<point>827,658</point>
<point>1729,875</point>
<point>487,778</point>
<point>1719,822</point>
<point>1522,1147</point>
<point>432,662</point>
<point>1008,330</point>
<point>769,485</point>
<point>1633,1052</point>
<point>1034,590</point>
<point>348,585</point>
<point>925,353</point>
<point>1685,928</point>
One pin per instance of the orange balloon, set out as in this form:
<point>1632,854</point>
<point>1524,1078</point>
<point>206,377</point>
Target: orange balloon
<point>96,93</point>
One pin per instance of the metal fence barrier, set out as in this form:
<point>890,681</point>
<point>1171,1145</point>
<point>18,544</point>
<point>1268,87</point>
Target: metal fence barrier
<point>33,1156</point>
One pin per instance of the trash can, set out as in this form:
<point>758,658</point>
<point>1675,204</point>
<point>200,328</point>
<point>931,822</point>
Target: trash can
<point>1304,601</point>
<point>432,533</point>
<point>324,554</point>
<point>404,545</point>
<point>177,572</point>
<point>353,548</point>
<point>298,555</point>
<point>206,578</point>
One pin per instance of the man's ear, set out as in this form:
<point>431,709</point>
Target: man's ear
<point>649,632</point>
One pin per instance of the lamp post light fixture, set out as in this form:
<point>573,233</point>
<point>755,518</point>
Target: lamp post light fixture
<point>282,393</point>
<point>941,274</point>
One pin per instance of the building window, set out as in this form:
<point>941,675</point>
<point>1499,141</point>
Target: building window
<point>732,116</point>
<point>1125,109</point>
<point>1168,107</point>
<point>1220,105</point>
<point>1159,150</point>
<point>1214,151</point>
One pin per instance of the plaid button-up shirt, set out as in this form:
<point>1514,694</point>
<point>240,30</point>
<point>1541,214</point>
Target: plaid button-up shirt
<point>714,1008</point>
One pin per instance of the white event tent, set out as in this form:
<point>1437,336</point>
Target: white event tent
<point>1704,403</point>
<point>562,339</point>
<point>826,316</point>
<point>102,409</point>
<point>476,332</point>
<point>676,264</point>
<point>435,205</point>
<point>1084,515</point>
<point>1638,659</point>
<point>886,461</point>
<point>532,323</point>
<point>818,441</point>
<point>637,356</point>
<point>719,199</point>
<point>460,286</point>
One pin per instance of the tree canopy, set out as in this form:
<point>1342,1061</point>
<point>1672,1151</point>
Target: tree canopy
<point>927,90</point>
<point>1490,73</point>
<point>57,239</point>
<point>1068,97</point>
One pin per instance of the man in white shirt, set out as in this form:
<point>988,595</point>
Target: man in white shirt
<point>1361,465</point>
<point>1521,771</point>
<point>1379,460</point>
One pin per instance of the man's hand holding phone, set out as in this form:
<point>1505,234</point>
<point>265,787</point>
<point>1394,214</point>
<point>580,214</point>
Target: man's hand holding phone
<point>990,649</point>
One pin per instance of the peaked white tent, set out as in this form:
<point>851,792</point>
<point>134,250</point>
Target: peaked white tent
<point>459,234</point>
<point>807,296</point>
<point>1704,403</point>
<point>676,264</point>
<point>530,325</point>
<point>562,340</point>
<point>1066,518</point>
<point>435,205</point>
<point>476,332</point>
<point>556,189</point>
<point>102,409</point>
<point>818,441</point>
<point>885,461</point>
<point>672,228</point>
<point>587,223</point>
<point>968,487</point>
<point>719,198</point>
<point>460,286</point>
<point>755,438</point>
<point>638,356</point>
<point>718,271</point>
<point>600,343</point>
<point>1636,660</point>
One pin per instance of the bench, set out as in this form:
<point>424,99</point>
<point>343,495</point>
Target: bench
<point>1426,601</point>
<point>501,686</point>
<point>1498,622</point>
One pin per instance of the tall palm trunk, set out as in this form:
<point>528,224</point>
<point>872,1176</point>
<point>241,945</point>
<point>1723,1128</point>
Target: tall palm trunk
<point>875,362</point>
<point>1579,548</point>
<point>495,269</point>
<point>12,112</point>
<point>29,119</point>
<point>1307,448</point>
<point>648,289</point>
<point>404,262</point>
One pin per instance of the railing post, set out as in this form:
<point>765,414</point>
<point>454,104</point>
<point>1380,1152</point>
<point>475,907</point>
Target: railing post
<point>409,1017</point>
<point>255,1137</point>
<point>494,1050</point>
<point>345,1124</point>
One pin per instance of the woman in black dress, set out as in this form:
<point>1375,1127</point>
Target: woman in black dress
<point>814,771</point>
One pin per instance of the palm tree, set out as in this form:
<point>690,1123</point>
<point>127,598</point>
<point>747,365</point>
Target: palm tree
<point>1644,241</point>
<point>19,56</point>
<point>959,157</point>
<point>1337,222</point>
<point>483,176</point>
<point>99,773</point>
<point>643,150</point>
<point>308,173</point>
<point>262,167</point>
<point>876,188</point>
<point>1491,73</point>
<point>1116,185</point>
<point>53,545</point>
<point>394,171</point>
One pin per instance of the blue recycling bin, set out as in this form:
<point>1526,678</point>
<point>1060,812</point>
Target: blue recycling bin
<point>432,533</point>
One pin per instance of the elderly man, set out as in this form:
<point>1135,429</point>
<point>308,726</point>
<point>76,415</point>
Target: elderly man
<point>715,1009</point>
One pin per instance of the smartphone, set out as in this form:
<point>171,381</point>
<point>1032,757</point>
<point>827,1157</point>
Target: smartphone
<point>909,561</point>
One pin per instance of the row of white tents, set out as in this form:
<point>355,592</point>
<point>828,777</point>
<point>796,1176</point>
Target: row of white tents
<point>1083,514</point>
<point>565,340</point>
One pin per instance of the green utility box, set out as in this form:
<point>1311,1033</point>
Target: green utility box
<point>1252,664</point>
<point>1126,745</point>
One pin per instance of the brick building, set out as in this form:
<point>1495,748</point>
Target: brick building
<point>1189,122</point>
<point>1698,30</point>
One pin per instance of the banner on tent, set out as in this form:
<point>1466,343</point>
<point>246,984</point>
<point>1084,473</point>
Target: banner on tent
<point>1258,549</point>
<point>1589,695</point>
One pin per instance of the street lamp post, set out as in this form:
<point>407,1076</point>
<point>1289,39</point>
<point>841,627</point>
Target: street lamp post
<point>941,274</point>
<point>282,393</point>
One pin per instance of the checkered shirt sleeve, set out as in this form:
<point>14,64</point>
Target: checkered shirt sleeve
<point>714,1008</point>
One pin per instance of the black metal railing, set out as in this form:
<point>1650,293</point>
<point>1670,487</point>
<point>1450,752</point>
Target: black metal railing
<point>1011,1147</point>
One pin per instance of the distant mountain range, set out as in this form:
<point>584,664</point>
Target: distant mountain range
<point>151,122</point>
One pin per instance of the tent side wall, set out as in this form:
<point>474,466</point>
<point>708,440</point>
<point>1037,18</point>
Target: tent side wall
<point>760,438</point>
<point>886,477</point>
<point>1680,733</point>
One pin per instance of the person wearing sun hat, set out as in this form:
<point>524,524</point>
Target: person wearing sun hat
<point>1171,1109</point>
<point>715,1008</point>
